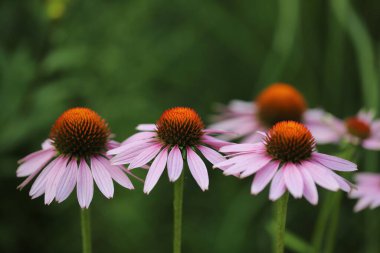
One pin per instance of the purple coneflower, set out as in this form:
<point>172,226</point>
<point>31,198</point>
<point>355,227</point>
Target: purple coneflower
<point>287,157</point>
<point>279,102</point>
<point>178,135</point>
<point>74,155</point>
<point>367,191</point>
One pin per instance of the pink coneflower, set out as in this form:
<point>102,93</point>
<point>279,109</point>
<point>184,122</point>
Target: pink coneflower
<point>74,155</point>
<point>361,129</point>
<point>367,191</point>
<point>278,102</point>
<point>287,157</point>
<point>178,134</point>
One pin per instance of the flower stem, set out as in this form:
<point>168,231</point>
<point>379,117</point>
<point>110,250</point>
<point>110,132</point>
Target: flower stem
<point>333,225</point>
<point>86,230</point>
<point>281,207</point>
<point>177,205</point>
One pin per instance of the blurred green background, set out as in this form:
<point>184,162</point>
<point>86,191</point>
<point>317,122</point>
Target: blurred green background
<point>129,61</point>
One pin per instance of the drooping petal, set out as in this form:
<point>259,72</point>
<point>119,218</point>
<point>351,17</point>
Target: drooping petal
<point>147,127</point>
<point>175,163</point>
<point>259,163</point>
<point>213,156</point>
<point>263,177</point>
<point>372,144</point>
<point>293,179</point>
<point>277,187</point>
<point>140,136</point>
<point>145,156</point>
<point>85,185</point>
<point>68,181</point>
<point>214,142</point>
<point>34,162</point>
<point>38,187</point>
<point>54,178</point>
<point>128,147</point>
<point>155,171</point>
<point>245,147</point>
<point>334,163</point>
<point>309,188</point>
<point>102,177</point>
<point>116,173</point>
<point>198,169</point>
<point>321,175</point>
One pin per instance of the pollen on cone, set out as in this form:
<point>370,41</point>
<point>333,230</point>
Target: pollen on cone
<point>180,126</point>
<point>280,102</point>
<point>289,141</point>
<point>80,132</point>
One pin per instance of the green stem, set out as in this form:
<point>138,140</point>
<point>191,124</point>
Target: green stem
<point>177,204</point>
<point>333,225</point>
<point>281,207</point>
<point>86,230</point>
<point>321,223</point>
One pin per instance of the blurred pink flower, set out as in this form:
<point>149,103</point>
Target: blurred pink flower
<point>287,157</point>
<point>277,103</point>
<point>178,135</point>
<point>367,191</point>
<point>361,129</point>
<point>74,155</point>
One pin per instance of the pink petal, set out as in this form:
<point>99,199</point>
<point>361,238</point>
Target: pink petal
<point>198,169</point>
<point>213,156</point>
<point>68,181</point>
<point>146,127</point>
<point>277,187</point>
<point>321,175</point>
<point>333,162</point>
<point>116,173</point>
<point>293,179</point>
<point>53,179</point>
<point>102,178</point>
<point>38,187</point>
<point>240,167</point>
<point>343,183</point>
<point>372,144</point>
<point>175,164</point>
<point>145,156</point>
<point>309,188</point>
<point>129,155</point>
<point>140,136</point>
<point>155,171</point>
<point>128,147</point>
<point>85,185</point>
<point>362,204</point>
<point>34,162</point>
<point>235,160</point>
<point>214,142</point>
<point>258,164</point>
<point>47,144</point>
<point>263,177</point>
<point>246,147</point>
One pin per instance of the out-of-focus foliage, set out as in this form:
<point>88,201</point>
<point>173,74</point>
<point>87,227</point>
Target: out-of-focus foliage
<point>130,60</point>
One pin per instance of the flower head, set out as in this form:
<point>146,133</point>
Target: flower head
<point>178,135</point>
<point>74,155</point>
<point>279,102</point>
<point>367,191</point>
<point>362,130</point>
<point>287,157</point>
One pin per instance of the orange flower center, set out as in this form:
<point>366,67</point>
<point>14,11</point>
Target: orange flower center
<point>80,132</point>
<point>180,126</point>
<point>280,102</point>
<point>358,127</point>
<point>289,141</point>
